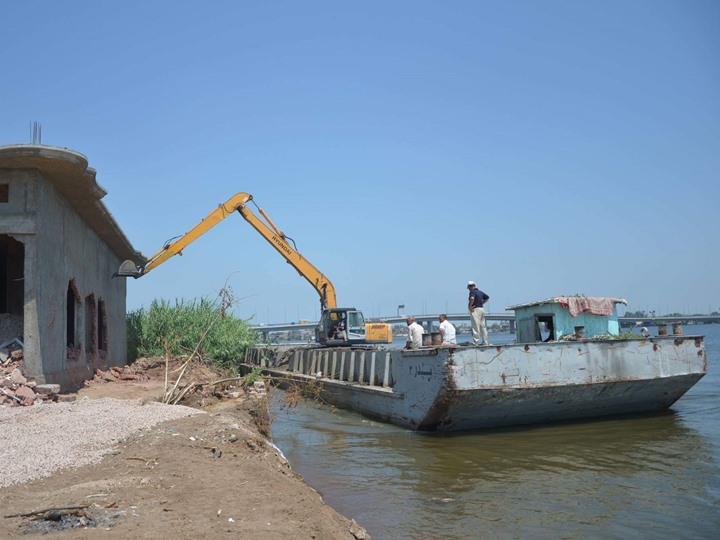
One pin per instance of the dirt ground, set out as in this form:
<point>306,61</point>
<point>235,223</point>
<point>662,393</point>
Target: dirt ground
<point>212,475</point>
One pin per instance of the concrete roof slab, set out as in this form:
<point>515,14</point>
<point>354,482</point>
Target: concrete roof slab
<point>75,180</point>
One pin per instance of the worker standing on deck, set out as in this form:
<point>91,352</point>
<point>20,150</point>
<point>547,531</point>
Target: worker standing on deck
<point>447,331</point>
<point>415,334</point>
<point>476,301</point>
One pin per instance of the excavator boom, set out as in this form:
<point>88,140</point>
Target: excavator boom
<point>337,326</point>
<point>263,225</point>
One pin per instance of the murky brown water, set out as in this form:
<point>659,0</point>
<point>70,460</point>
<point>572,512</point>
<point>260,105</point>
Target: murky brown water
<point>656,476</point>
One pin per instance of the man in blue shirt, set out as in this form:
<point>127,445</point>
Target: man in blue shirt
<point>476,301</point>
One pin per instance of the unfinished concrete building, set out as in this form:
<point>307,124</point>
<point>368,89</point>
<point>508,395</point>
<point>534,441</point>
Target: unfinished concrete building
<point>59,247</point>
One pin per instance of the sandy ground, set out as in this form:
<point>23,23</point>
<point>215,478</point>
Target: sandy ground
<point>211,475</point>
<point>62,435</point>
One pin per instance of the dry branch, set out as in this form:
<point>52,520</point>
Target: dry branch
<point>46,511</point>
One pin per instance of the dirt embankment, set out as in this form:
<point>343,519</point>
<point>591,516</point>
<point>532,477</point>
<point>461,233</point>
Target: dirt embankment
<point>210,475</point>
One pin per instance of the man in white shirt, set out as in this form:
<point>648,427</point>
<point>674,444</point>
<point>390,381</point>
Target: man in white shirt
<point>415,333</point>
<point>447,331</point>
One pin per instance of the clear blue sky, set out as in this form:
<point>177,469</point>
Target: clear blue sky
<point>538,148</point>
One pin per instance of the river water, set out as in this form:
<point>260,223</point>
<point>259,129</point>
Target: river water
<point>653,476</point>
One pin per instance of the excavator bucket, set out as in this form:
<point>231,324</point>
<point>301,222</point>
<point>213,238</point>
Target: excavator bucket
<point>128,269</point>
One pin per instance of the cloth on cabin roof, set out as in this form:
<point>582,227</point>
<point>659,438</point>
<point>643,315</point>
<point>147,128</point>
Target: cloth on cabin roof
<point>597,305</point>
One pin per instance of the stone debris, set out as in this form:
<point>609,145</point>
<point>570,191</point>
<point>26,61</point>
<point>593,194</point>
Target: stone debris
<point>117,374</point>
<point>15,388</point>
<point>257,390</point>
<point>47,389</point>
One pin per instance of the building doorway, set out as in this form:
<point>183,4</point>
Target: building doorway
<point>12,288</point>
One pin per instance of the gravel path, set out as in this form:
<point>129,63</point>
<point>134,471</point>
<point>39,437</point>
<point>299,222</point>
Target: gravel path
<point>39,440</point>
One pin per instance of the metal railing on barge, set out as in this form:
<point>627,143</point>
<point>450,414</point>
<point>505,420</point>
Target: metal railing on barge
<point>358,366</point>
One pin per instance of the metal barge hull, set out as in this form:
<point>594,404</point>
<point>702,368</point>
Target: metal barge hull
<point>467,388</point>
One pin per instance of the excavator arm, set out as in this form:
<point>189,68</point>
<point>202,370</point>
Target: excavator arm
<point>263,225</point>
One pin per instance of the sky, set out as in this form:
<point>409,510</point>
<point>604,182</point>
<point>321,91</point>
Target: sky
<point>538,148</point>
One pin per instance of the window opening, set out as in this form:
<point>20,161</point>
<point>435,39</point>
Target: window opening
<point>12,288</point>
<point>102,326</point>
<point>72,306</point>
<point>90,328</point>
<point>545,328</point>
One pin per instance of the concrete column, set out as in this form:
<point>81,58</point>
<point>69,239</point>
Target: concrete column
<point>351,369</point>
<point>361,371</point>
<point>386,372</point>
<point>32,351</point>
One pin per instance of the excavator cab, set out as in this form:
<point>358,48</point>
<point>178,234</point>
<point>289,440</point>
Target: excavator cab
<point>341,326</point>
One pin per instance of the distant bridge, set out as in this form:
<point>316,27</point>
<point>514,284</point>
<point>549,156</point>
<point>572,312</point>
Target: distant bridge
<point>427,320</point>
<point>684,319</point>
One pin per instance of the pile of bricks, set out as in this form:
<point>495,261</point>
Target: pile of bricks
<point>17,390</point>
<point>116,374</point>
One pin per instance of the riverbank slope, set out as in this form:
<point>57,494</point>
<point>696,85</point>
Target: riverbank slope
<point>208,475</point>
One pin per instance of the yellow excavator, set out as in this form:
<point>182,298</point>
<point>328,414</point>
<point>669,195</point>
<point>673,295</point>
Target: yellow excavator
<point>337,326</point>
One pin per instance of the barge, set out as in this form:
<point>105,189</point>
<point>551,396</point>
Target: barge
<point>564,376</point>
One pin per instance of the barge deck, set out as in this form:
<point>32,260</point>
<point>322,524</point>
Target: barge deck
<point>478,387</point>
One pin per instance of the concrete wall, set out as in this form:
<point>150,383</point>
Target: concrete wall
<point>70,250</point>
<point>18,220</point>
<point>59,247</point>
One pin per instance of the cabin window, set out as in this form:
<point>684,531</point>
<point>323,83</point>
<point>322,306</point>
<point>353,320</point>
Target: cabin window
<point>356,322</point>
<point>90,328</point>
<point>4,193</point>
<point>102,326</point>
<point>545,328</point>
<point>72,314</point>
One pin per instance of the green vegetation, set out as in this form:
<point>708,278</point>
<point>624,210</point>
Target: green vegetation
<point>252,377</point>
<point>624,336</point>
<point>605,337</point>
<point>179,328</point>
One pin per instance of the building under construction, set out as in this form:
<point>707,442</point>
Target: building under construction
<point>59,248</point>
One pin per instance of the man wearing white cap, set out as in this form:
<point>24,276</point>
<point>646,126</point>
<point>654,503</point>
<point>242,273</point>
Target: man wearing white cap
<point>476,301</point>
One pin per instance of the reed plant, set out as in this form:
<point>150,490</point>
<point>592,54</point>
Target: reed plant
<point>184,326</point>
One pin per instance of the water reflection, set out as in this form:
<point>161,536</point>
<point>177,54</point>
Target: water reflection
<point>545,481</point>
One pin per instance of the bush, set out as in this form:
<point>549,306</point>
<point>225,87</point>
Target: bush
<point>181,326</point>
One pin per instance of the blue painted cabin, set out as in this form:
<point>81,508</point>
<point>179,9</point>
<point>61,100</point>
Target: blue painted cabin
<point>549,320</point>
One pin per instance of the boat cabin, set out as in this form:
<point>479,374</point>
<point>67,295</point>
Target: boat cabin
<point>563,317</point>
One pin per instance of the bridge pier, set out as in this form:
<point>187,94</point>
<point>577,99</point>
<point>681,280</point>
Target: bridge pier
<point>511,326</point>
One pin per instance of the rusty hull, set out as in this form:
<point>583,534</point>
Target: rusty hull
<point>468,388</point>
